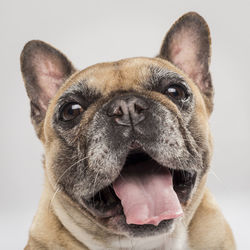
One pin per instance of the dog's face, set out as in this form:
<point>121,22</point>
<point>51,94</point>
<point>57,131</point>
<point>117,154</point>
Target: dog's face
<point>128,141</point>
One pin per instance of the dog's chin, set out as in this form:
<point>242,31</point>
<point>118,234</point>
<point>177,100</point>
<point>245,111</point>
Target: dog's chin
<point>107,209</point>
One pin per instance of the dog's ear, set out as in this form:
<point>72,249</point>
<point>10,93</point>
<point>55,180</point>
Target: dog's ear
<point>188,46</point>
<point>44,70</point>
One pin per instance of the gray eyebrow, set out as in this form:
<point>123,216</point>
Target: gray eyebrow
<point>77,87</point>
<point>158,74</point>
<point>80,89</point>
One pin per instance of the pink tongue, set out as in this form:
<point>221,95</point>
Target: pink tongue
<point>147,195</point>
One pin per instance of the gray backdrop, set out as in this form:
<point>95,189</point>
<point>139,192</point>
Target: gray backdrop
<point>94,31</point>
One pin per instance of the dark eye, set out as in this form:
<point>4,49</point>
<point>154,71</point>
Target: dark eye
<point>70,111</point>
<point>177,92</point>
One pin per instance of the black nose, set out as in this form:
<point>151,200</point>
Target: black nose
<point>128,111</point>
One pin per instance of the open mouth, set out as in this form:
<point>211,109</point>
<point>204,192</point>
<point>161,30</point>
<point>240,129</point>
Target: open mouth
<point>145,192</point>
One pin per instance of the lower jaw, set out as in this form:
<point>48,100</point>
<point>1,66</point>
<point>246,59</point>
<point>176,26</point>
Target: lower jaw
<point>117,225</point>
<point>114,221</point>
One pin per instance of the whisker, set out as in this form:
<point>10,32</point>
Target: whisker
<point>69,169</point>
<point>93,193</point>
<point>53,197</point>
<point>216,176</point>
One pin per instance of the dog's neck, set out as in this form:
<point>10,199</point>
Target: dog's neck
<point>176,240</point>
<point>83,233</point>
<point>93,236</point>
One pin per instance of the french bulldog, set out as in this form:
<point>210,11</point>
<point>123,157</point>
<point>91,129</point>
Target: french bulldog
<point>127,147</point>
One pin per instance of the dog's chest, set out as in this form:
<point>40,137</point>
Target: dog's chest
<point>157,243</point>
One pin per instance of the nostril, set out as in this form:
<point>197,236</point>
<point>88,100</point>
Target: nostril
<point>138,108</point>
<point>115,110</point>
<point>118,111</point>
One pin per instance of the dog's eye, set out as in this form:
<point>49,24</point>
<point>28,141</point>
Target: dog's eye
<point>177,92</point>
<point>70,111</point>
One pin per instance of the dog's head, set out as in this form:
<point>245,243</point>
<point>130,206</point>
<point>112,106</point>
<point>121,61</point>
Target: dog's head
<point>128,141</point>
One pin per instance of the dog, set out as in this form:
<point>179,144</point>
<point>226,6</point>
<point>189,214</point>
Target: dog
<point>127,147</point>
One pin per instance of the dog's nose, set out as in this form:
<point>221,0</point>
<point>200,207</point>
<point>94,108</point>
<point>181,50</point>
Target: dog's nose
<point>128,111</point>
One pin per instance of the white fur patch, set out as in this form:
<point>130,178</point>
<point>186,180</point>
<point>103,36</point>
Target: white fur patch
<point>177,240</point>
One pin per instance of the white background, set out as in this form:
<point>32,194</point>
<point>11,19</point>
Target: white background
<point>94,31</point>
